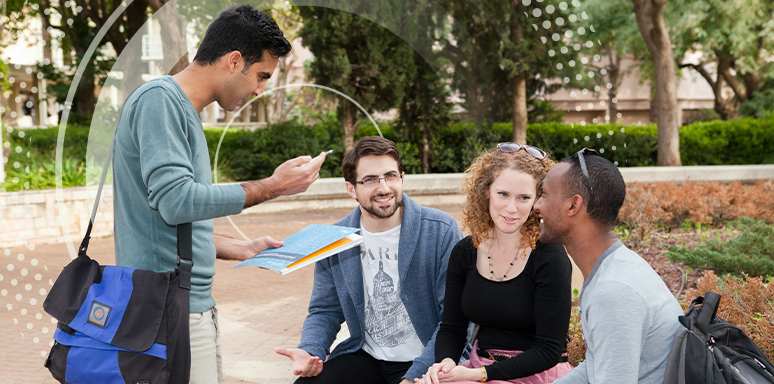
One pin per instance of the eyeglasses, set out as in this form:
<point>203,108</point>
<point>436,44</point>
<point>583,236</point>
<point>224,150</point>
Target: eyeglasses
<point>372,181</point>
<point>586,178</point>
<point>514,147</point>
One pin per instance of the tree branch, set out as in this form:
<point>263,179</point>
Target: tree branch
<point>702,71</point>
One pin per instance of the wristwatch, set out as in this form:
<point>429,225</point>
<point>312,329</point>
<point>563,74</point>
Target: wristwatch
<point>483,374</point>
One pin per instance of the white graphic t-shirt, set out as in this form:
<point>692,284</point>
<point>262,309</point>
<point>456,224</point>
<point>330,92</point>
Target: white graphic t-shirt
<point>389,334</point>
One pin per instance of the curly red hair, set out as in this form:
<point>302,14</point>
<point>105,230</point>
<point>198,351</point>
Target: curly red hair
<point>479,178</point>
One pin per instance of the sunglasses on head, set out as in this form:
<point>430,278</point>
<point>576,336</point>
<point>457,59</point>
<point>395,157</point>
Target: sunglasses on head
<point>514,147</point>
<point>586,179</point>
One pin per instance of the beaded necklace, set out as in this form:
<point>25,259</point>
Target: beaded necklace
<point>491,265</point>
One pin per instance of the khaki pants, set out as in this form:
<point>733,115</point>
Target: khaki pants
<point>206,356</point>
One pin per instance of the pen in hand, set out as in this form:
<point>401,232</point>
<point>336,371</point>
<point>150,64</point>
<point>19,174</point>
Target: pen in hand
<point>328,152</point>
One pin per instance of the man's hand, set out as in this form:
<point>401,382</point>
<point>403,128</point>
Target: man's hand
<point>296,175</point>
<point>291,177</point>
<point>227,248</point>
<point>304,364</point>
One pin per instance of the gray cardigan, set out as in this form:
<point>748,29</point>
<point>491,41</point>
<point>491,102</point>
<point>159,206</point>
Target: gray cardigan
<point>427,237</point>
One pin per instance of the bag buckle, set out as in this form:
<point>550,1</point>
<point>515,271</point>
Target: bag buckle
<point>185,266</point>
<point>184,261</point>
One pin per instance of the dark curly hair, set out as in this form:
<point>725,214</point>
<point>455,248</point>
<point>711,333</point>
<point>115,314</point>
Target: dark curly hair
<point>245,29</point>
<point>479,178</point>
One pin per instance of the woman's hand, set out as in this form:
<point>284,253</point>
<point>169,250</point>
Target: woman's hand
<point>432,375</point>
<point>456,373</point>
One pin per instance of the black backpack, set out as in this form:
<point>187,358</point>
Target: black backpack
<point>712,351</point>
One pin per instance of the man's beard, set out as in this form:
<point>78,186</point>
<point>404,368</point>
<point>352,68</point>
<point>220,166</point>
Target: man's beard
<point>379,213</point>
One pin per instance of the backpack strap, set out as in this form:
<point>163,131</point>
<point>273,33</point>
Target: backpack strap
<point>708,311</point>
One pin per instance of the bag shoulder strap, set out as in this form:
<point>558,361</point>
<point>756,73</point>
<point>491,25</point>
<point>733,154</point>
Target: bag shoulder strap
<point>184,231</point>
<point>709,309</point>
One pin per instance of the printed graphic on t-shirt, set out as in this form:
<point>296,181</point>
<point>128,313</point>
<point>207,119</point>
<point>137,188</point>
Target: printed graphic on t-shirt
<point>386,320</point>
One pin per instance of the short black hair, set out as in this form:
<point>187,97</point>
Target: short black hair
<point>606,181</point>
<point>245,29</point>
<point>369,146</point>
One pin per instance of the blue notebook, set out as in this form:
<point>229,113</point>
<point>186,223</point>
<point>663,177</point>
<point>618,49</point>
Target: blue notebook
<point>307,246</point>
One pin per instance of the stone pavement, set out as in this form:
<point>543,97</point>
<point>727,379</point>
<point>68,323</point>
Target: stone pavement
<point>259,310</point>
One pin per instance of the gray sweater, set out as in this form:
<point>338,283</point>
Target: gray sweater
<point>629,320</point>
<point>160,179</point>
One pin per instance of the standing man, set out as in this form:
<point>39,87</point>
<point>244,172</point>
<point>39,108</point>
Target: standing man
<point>162,174</point>
<point>390,291</point>
<point>628,315</point>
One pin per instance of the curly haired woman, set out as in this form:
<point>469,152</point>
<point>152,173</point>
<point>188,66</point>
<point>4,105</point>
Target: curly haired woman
<point>502,278</point>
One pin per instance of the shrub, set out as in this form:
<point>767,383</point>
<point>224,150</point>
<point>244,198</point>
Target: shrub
<point>750,252</point>
<point>42,175</point>
<point>576,346</point>
<point>671,204</point>
<point>746,302</point>
<point>251,155</point>
<point>744,141</point>
<point>255,155</point>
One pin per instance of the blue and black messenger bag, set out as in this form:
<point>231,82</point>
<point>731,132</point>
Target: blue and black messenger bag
<point>121,325</point>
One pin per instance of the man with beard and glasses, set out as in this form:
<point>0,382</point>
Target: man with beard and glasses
<point>628,315</point>
<point>390,291</point>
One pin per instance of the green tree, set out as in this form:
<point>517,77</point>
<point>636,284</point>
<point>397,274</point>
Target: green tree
<point>507,53</point>
<point>614,26</point>
<point>357,57</point>
<point>735,40</point>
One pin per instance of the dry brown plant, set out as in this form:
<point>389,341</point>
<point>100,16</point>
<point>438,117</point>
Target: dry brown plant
<point>648,204</point>
<point>746,303</point>
<point>576,347</point>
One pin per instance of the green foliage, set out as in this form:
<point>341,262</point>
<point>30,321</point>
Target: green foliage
<point>246,155</point>
<point>41,174</point>
<point>489,45</point>
<point>734,36</point>
<point>701,115</point>
<point>41,143</point>
<point>744,141</point>
<point>761,104</point>
<point>751,252</point>
<point>543,111</point>
<point>357,57</point>
<point>5,85</point>
<point>254,155</point>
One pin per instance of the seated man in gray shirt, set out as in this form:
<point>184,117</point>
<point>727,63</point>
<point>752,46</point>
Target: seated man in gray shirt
<point>628,315</point>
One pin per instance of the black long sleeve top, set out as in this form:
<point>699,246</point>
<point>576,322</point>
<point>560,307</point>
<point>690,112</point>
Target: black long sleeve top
<point>530,312</point>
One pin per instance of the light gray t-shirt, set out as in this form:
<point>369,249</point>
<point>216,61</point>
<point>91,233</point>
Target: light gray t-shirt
<point>389,333</point>
<point>629,321</point>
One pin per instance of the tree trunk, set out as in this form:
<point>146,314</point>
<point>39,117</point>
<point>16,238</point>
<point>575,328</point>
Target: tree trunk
<point>613,72</point>
<point>425,151</point>
<point>726,108</point>
<point>173,30</point>
<point>519,84</point>
<point>650,19</point>
<point>348,116</point>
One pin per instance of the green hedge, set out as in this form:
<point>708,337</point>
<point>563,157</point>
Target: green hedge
<point>248,155</point>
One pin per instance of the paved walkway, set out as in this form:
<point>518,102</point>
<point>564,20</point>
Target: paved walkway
<point>259,310</point>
